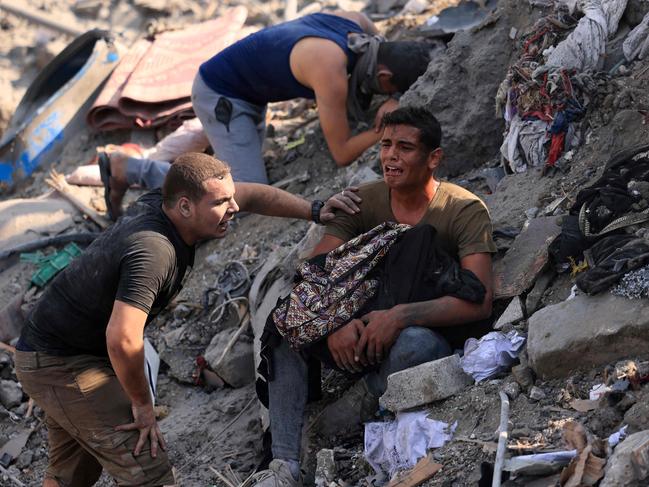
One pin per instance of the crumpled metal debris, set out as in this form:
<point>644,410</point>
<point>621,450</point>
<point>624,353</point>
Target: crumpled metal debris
<point>634,284</point>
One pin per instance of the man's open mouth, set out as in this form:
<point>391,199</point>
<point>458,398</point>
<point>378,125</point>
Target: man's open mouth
<point>389,170</point>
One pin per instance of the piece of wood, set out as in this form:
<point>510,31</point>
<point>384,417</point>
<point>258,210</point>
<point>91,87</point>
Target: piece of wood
<point>58,182</point>
<point>425,469</point>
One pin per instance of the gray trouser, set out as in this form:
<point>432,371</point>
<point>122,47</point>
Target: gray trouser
<point>238,143</point>
<point>289,388</point>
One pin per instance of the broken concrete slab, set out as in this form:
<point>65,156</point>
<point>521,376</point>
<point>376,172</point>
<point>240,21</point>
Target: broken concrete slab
<point>425,383</point>
<point>512,314</point>
<point>526,258</point>
<point>587,331</point>
<point>11,394</point>
<point>533,299</point>
<point>620,469</point>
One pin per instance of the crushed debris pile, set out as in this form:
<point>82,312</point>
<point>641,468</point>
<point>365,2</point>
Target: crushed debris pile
<point>567,368</point>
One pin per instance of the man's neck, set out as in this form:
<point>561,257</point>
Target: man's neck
<point>409,205</point>
<point>414,198</point>
<point>177,222</point>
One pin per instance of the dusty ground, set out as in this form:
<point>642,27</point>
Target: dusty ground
<point>221,429</point>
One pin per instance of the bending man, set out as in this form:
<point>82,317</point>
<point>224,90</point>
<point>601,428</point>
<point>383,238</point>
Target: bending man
<point>334,58</point>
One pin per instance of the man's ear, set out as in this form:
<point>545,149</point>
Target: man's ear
<point>384,77</point>
<point>185,207</point>
<point>435,158</point>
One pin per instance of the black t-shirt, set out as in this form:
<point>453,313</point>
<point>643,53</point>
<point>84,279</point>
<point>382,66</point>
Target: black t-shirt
<point>141,261</point>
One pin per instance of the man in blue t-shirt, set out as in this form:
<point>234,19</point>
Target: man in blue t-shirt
<point>335,58</point>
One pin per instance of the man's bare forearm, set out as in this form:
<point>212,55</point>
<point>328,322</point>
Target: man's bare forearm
<point>267,200</point>
<point>127,359</point>
<point>348,151</point>
<point>444,311</point>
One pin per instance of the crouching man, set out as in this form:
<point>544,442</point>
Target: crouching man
<point>385,341</point>
<point>81,353</point>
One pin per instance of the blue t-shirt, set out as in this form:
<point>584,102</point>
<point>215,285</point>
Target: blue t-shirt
<point>257,68</point>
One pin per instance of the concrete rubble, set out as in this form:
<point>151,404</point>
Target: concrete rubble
<point>586,331</point>
<point>574,341</point>
<point>425,383</point>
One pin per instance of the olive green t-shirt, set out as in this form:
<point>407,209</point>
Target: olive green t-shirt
<point>460,218</point>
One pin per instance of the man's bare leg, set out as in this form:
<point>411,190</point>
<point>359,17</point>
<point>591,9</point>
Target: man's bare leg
<point>118,182</point>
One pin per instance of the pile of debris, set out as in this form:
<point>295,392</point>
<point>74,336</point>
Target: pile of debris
<point>557,395</point>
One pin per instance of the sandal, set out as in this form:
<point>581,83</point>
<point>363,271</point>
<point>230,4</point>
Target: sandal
<point>103,160</point>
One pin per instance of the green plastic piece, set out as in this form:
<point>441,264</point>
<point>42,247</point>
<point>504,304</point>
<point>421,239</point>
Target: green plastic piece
<point>52,264</point>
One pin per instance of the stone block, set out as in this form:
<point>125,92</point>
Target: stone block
<point>11,394</point>
<point>620,468</point>
<point>425,383</point>
<point>512,314</point>
<point>587,331</point>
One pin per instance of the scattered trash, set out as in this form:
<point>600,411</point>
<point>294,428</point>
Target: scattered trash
<point>618,436</point>
<point>295,143</point>
<point>494,353</point>
<point>399,444</point>
<point>598,391</point>
<point>587,468</point>
<point>539,463</point>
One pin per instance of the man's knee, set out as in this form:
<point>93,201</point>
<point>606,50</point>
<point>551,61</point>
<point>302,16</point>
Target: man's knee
<point>416,345</point>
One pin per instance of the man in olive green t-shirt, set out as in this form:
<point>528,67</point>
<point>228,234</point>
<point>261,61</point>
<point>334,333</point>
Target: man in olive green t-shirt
<point>403,336</point>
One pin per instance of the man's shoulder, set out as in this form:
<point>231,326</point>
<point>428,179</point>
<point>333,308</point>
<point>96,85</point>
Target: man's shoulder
<point>373,188</point>
<point>458,196</point>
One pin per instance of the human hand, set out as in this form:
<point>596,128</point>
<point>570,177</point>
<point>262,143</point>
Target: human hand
<point>342,344</point>
<point>382,328</point>
<point>144,421</point>
<point>388,106</point>
<point>347,200</point>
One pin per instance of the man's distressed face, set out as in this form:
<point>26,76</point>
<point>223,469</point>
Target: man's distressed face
<point>406,162</point>
<point>215,209</point>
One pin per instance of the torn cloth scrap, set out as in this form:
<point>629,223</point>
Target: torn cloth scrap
<point>398,445</point>
<point>152,84</point>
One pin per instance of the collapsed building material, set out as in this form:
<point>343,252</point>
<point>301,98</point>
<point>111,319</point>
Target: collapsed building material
<point>526,258</point>
<point>620,468</point>
<point>55,105</point>
<point>425,383</point>
<point>586,331</point>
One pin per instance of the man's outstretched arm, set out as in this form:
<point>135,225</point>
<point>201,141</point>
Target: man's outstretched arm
<point>267,200</point>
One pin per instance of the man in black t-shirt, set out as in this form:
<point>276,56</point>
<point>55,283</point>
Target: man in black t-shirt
<point>81,353</point>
